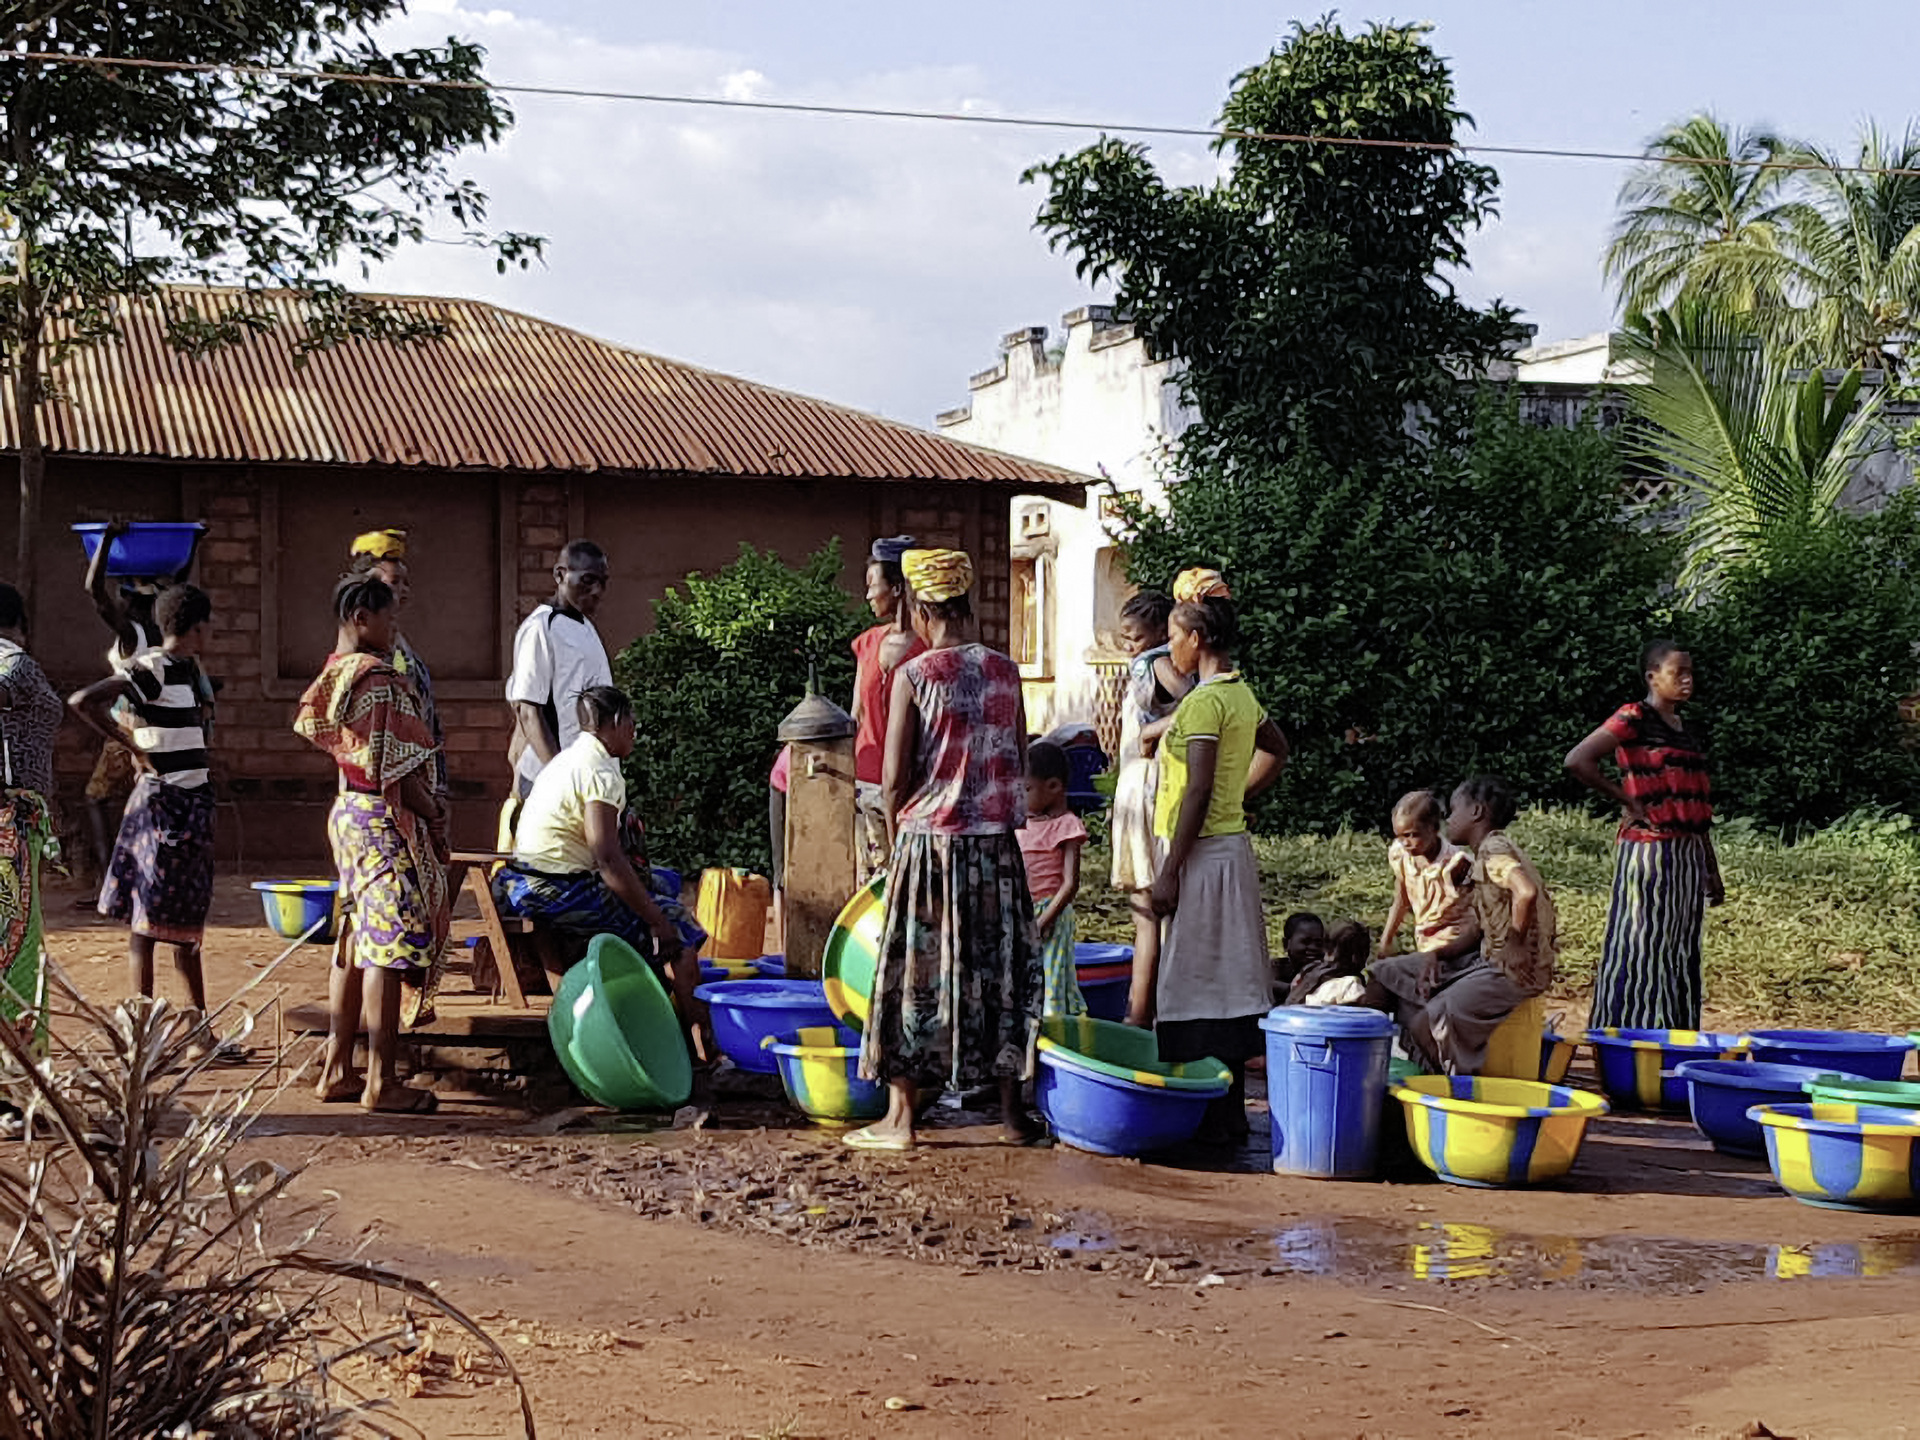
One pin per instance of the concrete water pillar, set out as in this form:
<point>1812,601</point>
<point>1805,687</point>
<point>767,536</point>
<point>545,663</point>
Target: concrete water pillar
<point>822,873</point>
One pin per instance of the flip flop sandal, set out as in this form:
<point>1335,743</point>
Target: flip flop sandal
<point>865,1139</point>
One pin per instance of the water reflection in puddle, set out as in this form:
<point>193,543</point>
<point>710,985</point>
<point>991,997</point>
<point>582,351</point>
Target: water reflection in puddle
<point>1445,1251</point>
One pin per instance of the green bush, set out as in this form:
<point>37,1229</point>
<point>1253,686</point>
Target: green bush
<point>726,661</point>
<point>1480,607</point>
<point>1803,659</point>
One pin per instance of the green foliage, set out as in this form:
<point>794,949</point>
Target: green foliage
<point>1824,931</point>
<point>727,659</point>
<point>1762,458</point>
<point>1304,290</point>
<point>1411,623</point>
<point>1803,659</point>
<point>116,180</point>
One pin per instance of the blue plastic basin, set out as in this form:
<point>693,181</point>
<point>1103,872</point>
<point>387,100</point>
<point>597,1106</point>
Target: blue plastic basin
<point>746,1012</point>
<point>1851,1052</point>
<point>820,1068</point>
<point>1090,953</point>
<point>149,549</point>
<point>1720,1092</point>
<point>293,906</point>
<point>771,967</point>
<point>1638,1067</point>
<point>1103,1088</point>
<point>1106,999</point>
<point>1326,1088</point>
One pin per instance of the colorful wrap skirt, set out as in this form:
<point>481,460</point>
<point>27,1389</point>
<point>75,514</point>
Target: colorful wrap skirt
<point>1062,981</point>
<point>160,879</point>
<point>581,906</point>
<point>26,832</point>
<point>395,892</point>
<point>958,988</point>
<point>1649,973</point>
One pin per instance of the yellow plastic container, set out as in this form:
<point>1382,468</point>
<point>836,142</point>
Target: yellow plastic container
<point>732,909</point>
<point>1513,1050</point>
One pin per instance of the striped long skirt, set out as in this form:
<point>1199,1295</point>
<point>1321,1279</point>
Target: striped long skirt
<point>1649,977</point>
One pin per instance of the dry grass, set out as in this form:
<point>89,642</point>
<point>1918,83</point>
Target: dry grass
<point>1825,931</point>
<point>150,1287</point>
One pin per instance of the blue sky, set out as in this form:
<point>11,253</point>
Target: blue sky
<point>876,263</point>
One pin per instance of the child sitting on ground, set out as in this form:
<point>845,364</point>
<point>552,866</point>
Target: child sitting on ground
<point>1050,843</point>
<point>1303,939</point>
<point>1429,879</point>
<point>1450,1003</point>
<point>1338,977</point>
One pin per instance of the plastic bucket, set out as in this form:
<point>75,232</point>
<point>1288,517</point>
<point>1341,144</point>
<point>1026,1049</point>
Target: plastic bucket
<point>1106,998</point>
<point>614,1028</point>
<point>1851,1052</point>
<point>292,906</point>
<point>746,1012</point>
<point>732,909</point>
<point>1326,1084</point>
<point>1513,1050</point>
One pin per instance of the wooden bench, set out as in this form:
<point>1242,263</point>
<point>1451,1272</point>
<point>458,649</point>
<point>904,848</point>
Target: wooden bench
<point>513,956</point>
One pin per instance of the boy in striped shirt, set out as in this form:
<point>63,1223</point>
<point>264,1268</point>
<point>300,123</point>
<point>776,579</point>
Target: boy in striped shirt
<point>160,879</point>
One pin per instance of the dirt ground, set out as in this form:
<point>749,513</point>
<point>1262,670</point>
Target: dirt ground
<point>759,1280</point>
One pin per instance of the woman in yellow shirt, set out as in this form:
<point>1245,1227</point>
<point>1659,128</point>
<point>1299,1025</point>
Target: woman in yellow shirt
<point>1214,979</point>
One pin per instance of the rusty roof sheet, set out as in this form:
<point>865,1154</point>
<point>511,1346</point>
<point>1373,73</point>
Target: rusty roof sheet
<point>501,391</point>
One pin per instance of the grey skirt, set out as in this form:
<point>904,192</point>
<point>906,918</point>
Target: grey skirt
<point>1214,962</point>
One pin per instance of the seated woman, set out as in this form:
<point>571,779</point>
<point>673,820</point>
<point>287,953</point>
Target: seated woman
<point>570,868</point>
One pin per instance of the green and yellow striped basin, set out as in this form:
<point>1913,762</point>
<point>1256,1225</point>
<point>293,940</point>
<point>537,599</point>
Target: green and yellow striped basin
<point>1126,1052</point>
<point>820,1068</point>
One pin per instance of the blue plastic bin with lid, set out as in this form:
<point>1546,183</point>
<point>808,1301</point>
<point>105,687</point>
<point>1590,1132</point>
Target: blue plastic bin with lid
<point>1326,1087</point>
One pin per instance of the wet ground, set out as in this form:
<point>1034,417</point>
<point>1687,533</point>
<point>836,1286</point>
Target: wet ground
<point>757,1278</point>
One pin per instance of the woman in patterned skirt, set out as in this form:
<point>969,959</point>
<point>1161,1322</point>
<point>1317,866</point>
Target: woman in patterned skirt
<point>957,987</point>
<point>1667,872</point>
<point>388,830</point>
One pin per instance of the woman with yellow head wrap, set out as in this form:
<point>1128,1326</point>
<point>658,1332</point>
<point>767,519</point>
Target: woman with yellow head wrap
<point>957,987</point>
<point>384,553</point>
<point>1191,587</point>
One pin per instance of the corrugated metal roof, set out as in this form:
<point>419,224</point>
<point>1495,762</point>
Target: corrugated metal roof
<point>501,391</point>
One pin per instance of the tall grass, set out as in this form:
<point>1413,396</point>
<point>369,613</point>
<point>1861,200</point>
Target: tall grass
<point>1822,929</point>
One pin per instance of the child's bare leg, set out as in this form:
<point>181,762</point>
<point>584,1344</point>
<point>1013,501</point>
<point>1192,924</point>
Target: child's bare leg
<point>186,964</point>
<point>1013,1112</point>
<point>140,963</point>
<point>1146,960</point>
<point>338,1080</point>
<point>381,1003</point>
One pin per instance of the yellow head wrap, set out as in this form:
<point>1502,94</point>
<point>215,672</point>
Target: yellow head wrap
<point>381,545</point>
<point>1199,584</point>
<point>937,575</point>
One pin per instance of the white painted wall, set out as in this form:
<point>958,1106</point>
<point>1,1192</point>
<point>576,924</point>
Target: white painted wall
<point>1100,407</point>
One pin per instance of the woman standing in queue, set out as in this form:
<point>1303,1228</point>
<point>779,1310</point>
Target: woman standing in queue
<point>957,988</point>
<point>1215,977</point>
<point>1666,871</point>
<point>878,652</point>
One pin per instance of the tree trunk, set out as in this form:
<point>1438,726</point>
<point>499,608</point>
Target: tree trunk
<point>26,415</point>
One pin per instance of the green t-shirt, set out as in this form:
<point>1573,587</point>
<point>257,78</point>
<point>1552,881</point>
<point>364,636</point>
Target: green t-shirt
<point>1224,710</point>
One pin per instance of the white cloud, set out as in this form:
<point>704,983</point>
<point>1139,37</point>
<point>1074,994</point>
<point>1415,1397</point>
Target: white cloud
<point>871,262</point>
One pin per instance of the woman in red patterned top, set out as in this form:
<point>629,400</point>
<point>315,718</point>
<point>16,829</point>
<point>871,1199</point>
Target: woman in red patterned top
<point>957,982</point>
<point>1667,872</point>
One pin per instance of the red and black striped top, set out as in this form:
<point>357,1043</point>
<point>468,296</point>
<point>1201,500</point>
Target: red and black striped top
<point>1665,770</point>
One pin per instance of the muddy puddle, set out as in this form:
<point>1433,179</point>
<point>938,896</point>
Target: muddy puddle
<point>801,1188</point>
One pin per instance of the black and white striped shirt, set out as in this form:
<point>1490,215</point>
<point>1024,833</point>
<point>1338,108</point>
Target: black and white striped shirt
<point>163,705</point>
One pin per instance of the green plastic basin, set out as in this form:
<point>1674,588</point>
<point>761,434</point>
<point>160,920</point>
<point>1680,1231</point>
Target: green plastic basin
<point>615,1030</point>
<point>1847,1090</point>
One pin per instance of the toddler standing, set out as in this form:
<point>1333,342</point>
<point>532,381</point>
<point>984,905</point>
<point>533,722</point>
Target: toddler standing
<point>1050,843</point>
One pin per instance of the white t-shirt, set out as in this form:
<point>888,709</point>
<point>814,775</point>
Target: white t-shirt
<point>552,835</point>
<point>555,657</point>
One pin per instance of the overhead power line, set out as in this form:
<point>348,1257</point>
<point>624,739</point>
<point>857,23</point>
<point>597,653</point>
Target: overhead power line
<point>959,117</point>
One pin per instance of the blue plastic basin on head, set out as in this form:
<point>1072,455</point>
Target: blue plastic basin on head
<point>1326,1086</point>
<point>1851,1052</point>
<point>1720,1092</point>
<point>745,1012</point>
<point>149,550</point>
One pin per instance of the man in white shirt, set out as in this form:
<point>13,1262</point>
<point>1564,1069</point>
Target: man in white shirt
<point>557,654</point>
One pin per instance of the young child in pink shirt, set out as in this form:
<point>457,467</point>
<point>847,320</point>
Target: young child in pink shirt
<point>1051,842</point>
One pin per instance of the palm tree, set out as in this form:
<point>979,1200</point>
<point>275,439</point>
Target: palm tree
<point>1705,213</point>
<point>1852,256</point>
<point>1761,455</point>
